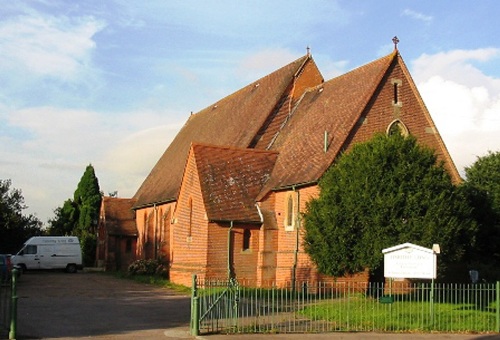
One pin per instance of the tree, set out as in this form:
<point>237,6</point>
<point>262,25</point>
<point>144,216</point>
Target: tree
<point>79,217</point>
<point>88,199</point>
<point>15,227</point>
<point>384,192</point>
<point>484,175</point>
<point>482,189</point>
<point>65,220</point>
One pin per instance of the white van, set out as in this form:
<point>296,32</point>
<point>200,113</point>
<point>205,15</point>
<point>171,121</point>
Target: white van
<point>50,252</point>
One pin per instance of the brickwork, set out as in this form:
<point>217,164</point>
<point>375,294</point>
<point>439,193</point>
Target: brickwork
<point>410,110</point>
<point>154,232</point>
<point>190,229</point>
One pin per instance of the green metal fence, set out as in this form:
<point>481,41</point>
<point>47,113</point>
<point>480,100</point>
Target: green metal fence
<point>220,306</point>
<point>5,299</point>
<point>8,306</point>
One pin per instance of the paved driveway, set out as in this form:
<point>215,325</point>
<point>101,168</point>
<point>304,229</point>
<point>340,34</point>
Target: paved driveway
<point>61,305</point>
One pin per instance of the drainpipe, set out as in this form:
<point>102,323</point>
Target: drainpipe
<point>229,257</point>
<point>325,146</point>
<point>296,251</point>
<point>145,234</point>
<point>155,222</point>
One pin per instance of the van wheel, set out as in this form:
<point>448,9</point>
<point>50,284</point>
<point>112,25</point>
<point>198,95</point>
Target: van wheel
<point>22,268</point>
<point>71,268</point>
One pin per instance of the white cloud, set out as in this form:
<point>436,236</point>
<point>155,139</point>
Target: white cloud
<point>48,46</point>
<point>463,101</point>
<point>61,142</point>
<point>417,15</point>
<point>125,165</point>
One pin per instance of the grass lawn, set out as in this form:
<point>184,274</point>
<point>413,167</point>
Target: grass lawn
<point>368,314</point>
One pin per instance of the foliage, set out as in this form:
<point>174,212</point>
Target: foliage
<point>65,218</point>
<point>484,175</point>
<point>15,227</point>
<point>147,267</point>
<point>80,216</point>
<point>482,189</point>
<point>87,197</point>
<point>385,192</point>
<point>88,243</point>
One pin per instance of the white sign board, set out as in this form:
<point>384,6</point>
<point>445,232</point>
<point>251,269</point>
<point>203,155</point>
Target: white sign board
<point>409,261</point>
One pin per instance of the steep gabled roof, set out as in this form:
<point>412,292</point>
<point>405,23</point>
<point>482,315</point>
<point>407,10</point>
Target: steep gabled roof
<point>231,179</point>
<point>232,121</point>
<point>119,218</point>
<point>333,107</point>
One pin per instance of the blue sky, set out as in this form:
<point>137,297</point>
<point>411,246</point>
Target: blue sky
<point>111,82</point>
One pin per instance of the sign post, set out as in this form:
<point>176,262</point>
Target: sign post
<point>409,261</point>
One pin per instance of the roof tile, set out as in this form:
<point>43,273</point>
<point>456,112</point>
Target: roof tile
<point>232,121</point>
<point>118,216</point>
<point>231,179</point>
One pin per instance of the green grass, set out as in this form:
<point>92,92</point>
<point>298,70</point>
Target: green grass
<point>153,280</point>
<point>360,313</point>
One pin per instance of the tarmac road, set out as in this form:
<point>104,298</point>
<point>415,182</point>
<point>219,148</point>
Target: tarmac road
<point>56,305</point>
<point>60,305</point>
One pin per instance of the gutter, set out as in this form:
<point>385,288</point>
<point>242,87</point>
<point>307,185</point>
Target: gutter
<point>148,205</point>
<point>296,186</point>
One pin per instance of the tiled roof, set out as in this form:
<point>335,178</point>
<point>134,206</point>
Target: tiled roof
<point>231,179</point>
<point>333,107</point>
<point>232,121</point>
<point>119,218</point>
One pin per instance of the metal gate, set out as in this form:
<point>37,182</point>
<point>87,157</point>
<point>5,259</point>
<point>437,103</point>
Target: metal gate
<point>214,306</point>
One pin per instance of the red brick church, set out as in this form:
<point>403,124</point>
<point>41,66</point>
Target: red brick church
<point>225,198</point>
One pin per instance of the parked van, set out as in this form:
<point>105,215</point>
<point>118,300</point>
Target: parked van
<point>50,252</point>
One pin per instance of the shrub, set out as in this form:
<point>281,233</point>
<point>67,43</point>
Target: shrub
<point>148,267</point>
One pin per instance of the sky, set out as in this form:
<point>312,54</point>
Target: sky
<point>110,83</point>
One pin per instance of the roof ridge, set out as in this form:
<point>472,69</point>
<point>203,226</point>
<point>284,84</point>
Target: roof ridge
<point>255,82</point>
<point>388,60</point>
<point>389,57</point>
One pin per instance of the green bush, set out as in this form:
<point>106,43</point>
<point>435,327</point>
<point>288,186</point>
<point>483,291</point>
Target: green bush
<point>148,267</point>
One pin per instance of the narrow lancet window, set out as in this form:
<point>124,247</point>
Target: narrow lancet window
<point>247,235</point>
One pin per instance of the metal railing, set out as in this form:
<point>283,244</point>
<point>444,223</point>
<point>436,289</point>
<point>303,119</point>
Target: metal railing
<point>5,298</point>
<point>8,306</point>
<point>220,306</point>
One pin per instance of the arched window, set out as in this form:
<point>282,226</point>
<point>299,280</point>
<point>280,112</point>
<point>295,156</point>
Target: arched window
<point>190,227</point>
<point>247,235</point>
<point>397,127</point>
<point>290,213</point>
<point>145,227</point>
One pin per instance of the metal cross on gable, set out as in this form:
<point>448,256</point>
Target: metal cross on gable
<point>395,40</point>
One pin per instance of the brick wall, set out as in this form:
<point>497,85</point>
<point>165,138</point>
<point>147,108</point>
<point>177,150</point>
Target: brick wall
<point>190,229</point>
<point>154,232</point>
<point>309,77</point>
<point>410,110</point>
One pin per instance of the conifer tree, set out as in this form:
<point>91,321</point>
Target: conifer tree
<point>382,193</point>
<point>80,216</point>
